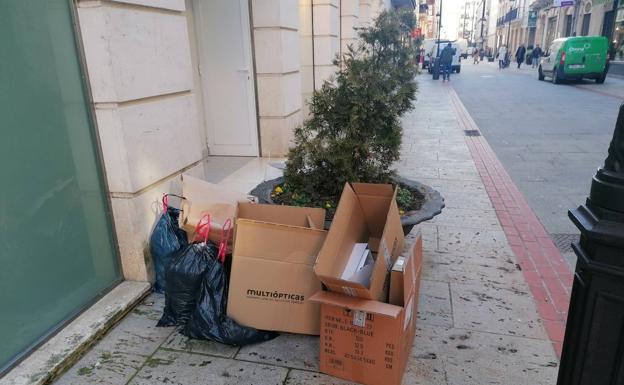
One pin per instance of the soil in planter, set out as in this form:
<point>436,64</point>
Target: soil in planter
<point>408,199</point>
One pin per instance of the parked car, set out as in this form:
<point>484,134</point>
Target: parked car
<point>456,64</point>
<point>426,46</point>
<point>462,47</point>
<point>575,58</point>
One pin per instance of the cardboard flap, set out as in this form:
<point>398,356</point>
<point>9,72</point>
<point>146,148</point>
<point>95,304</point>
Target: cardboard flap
<point>382,190</point>
<point>275,242</point>
<point>283,215</point>
<point>202,198</point>
<point>350,222</point>
<point>375,201</point>
<point>413,266</point>
<point>355,303</point>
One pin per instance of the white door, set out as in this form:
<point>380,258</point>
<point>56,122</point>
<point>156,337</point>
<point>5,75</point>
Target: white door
<point>226,73</point>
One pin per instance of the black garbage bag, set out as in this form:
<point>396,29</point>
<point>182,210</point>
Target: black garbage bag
<point>166,239</point>
<point>209,320</point>
<point>184,277</point>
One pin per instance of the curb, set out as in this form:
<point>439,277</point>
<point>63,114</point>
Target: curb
<point>74,340</point>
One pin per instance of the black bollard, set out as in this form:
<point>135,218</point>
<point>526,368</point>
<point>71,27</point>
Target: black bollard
<point>436,68</point>
<point>593,348</point>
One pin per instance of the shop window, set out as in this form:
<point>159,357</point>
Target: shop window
<point>585,26</point>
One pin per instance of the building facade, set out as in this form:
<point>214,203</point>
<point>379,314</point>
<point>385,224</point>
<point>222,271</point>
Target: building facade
<point>428,19</point>
<point>512,25</point>
<point>540,22</point>
<point>135,93</point>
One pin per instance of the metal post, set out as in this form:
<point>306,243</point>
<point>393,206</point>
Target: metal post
<point>593,344</point>
<point>439,28</point>
<point>436,62</point>
<point>509,28</point>
<point>482,20</point>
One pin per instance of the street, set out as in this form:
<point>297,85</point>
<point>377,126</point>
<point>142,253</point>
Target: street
<point>550,138</point>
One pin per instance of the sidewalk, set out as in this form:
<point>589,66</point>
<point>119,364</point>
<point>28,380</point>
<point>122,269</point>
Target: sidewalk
<point>477,324</point>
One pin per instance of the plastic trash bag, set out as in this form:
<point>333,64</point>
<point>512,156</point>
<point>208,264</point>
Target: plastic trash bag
<point>184,277</point>
<point>167,239</point>
<point>209,320</point>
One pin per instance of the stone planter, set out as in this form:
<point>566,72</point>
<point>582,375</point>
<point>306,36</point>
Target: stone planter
<point>432,205</point>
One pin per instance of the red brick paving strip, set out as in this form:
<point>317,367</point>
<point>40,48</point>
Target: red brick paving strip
<point>546,272</point>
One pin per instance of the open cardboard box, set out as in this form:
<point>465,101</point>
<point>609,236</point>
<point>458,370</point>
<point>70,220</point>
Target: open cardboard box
<point>368,341</point>
<point>272,274</point>
<point>202,197</point>
<point>366,213</point>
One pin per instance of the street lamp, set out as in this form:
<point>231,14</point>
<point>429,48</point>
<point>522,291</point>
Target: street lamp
<point>439,14</point>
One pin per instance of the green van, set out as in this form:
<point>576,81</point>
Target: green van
<point>575,58</point>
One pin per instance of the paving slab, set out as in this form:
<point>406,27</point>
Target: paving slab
<point>301,377</point>
<point>290,350</point>
<point>177,341</point>
<point>168,367</point>
<point>468,218</point>
<point>135,334</point>
<point>478,358</point>
<point>151,307</point>
<point>434,305</point>
<point>488,270</point>
<point>468,200</point>
<point>507,311</point>
<point>426,370</point>
<point>104,367</point>
<point>469,241</point>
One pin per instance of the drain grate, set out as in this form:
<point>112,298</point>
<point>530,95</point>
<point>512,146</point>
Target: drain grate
<point>472,133</point>
<point>563,241</point>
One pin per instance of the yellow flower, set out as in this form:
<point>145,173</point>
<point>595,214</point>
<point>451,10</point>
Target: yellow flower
<point>401,212</point>
<point>278,190</point>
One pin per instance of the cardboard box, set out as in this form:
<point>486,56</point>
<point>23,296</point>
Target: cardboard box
<point>272,274</point>
<point>365,213</point>
<point>368,341</point>
<point>200,198</point>
<point>396,282</point>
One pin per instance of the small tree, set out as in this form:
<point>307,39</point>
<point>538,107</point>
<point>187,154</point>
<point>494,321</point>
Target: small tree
<point>354,132</point>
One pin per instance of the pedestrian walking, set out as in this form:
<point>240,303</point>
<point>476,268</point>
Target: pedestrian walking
<point>475,57</point>
<point>520,53</point>
<point>612,51</point>
<point>502,55</point>
<point>481,53</point>
<point>535,56</point>
<point>446,60</point>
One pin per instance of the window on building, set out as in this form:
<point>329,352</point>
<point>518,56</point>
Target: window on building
<point>607,24</point>
<point>585,26</point>
<point>568,25</point>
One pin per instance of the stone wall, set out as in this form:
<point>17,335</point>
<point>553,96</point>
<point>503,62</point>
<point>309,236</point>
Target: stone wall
<point>138,59</point>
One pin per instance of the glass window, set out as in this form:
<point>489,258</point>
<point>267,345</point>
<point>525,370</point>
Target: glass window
<point>56,243</point>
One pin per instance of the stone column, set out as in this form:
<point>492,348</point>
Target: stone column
<point>349,16</point>
<point>139,65</point>
<point>326,39</point>
<point>306,54</point>
<point>365,10</point>
<point>277,59</point>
